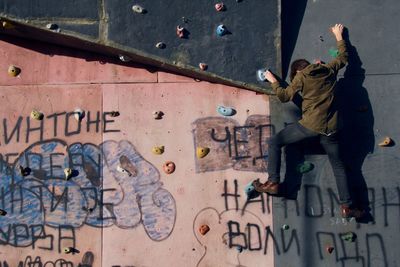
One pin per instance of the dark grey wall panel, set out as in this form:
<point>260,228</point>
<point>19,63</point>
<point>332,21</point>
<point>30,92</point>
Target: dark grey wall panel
<point>87,9</point>
<point>253,40</point>
<point>368,104</point>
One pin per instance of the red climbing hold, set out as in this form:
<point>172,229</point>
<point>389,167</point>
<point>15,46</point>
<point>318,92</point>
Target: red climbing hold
<point>330,249</point>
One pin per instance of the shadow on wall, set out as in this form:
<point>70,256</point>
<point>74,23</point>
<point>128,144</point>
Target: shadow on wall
<point>292,13</point>
<point>356,121</point>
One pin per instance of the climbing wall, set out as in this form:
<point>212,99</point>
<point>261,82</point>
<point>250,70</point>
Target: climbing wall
<point>159,164</point>
<point>233,38</point>
<point>368,104</point>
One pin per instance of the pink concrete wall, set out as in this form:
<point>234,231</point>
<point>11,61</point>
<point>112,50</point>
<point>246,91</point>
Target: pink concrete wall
<point>145,217</point>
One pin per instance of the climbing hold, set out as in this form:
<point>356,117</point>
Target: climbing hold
<point>24,171</point>
<point>201,152</point>
<point>226,111</point>
<point>87,209</point>
<point>285,227</point>
<point>157,115</point>
<point>321,38</point>
<point>160,45</point>
<point>122,170</point>
<point>203,66</point>
<point>169,167</point>
<point>53,27</point>
<point>138,9</point>
<point>68,173</point>
<point>158,150</point>
<point>114,113</point>
<point>37,115</point>
<point>204,229</point>
<point>13,71</point>
<point>3,212</point>
<point>333,52</point>
<point>330,249</point>
<point>251,191</point>
<point>260,75</point>
<point>349,236</point>
<point>79,114</point>
<point>386,142</point>
<point>221,30</point>
<point>7,25</point>
<point>305,167</point>
<point>124,58</point>
<point>219,6</point>
<point>239,249</point>
<point>181,31</point>
<point>69,250</point>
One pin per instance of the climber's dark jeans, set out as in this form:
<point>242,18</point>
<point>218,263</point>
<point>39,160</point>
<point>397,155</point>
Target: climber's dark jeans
<point>296,132</point>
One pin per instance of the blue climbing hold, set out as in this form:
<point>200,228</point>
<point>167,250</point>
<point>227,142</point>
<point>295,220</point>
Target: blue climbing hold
<point>226,111</point>
<point>260,75</point>
<point>239,249</point>
<point>221,30</point>
<point>251,191</point>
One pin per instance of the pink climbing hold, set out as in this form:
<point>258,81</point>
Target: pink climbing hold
<point>203,66</point>
<point>219,6</point>
<point>180,31</point>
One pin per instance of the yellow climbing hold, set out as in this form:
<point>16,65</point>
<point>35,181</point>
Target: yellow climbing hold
<point>68,173</point>
<point>201,152</point>
<point>36,115</point>
<point>13,71</point>
<point>386,142</point>
<point>7,25</point>
<point>158,150</point>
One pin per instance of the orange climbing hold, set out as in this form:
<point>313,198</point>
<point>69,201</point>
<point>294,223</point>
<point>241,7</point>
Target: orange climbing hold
<point>204,229</point>
<point>169,167</point>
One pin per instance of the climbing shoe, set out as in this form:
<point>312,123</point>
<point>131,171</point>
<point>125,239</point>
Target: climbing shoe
<point>267,187</point>
<point>349,212</point>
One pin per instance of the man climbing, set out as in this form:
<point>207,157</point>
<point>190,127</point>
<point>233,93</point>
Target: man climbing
<point>316,83</point>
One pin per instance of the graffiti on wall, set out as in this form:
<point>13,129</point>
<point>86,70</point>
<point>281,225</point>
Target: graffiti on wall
<point>97,194</point>
<point>242,148</point>
<point>243,231</point>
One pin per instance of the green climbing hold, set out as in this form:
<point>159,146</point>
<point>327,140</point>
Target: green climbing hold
<point>349,236</point>
<point>285,227</point>
<point>305,167</point>
<point>333,52</point>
